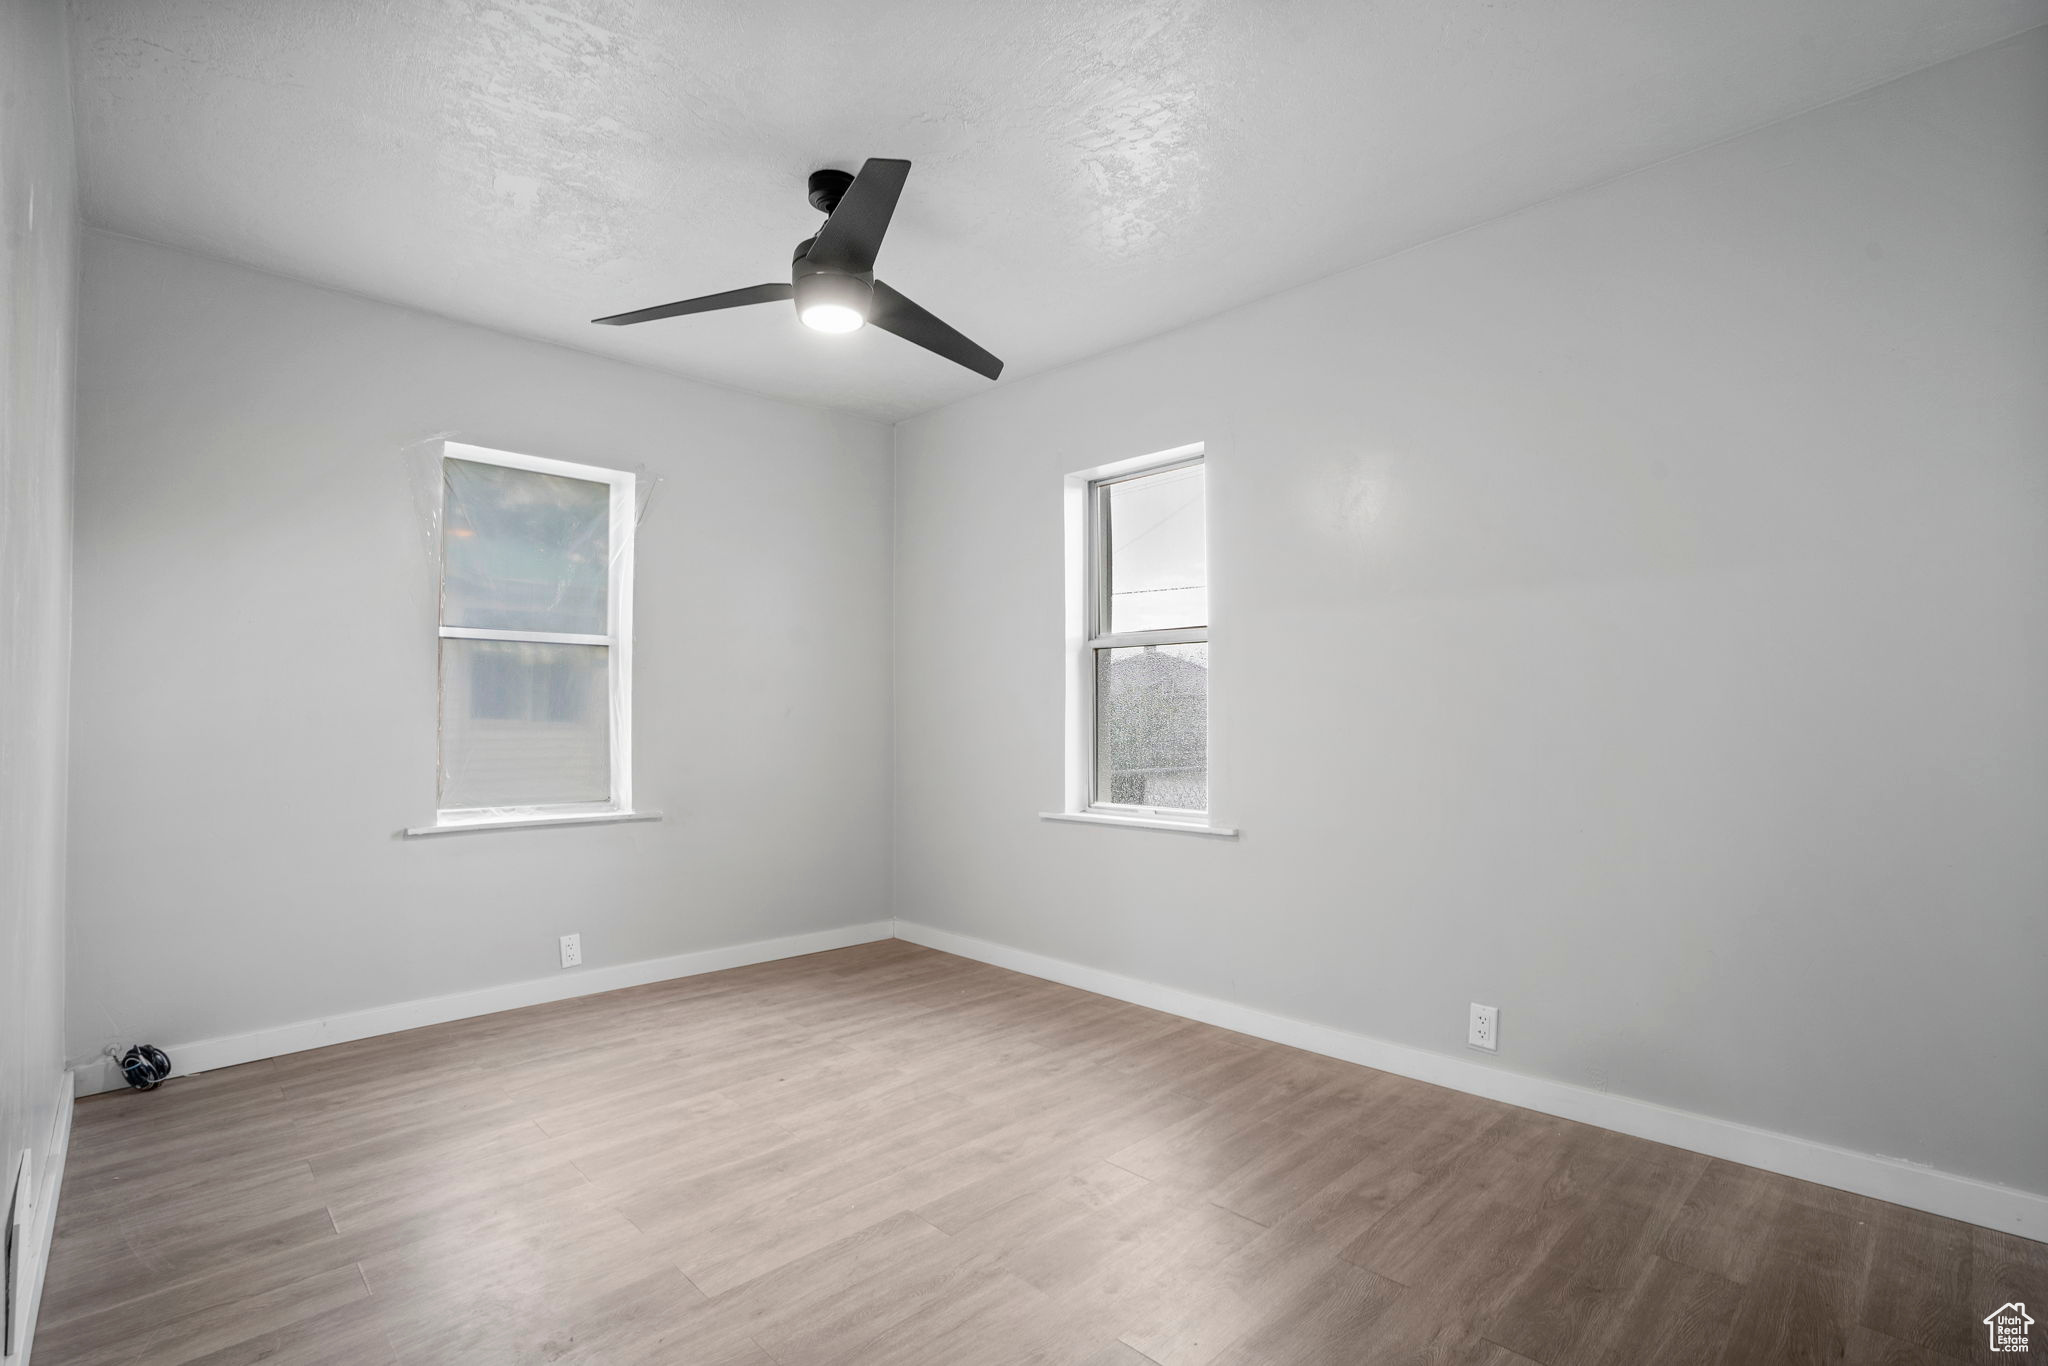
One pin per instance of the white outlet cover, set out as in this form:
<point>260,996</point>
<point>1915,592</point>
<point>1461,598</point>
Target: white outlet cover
<point>1483,1030</point>
<point>572,950</point>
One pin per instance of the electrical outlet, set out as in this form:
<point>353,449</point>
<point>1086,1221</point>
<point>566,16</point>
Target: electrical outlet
<point>572,950</point>
<point>1484,1030</point>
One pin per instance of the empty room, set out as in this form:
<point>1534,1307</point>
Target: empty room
<point>1073,683</point>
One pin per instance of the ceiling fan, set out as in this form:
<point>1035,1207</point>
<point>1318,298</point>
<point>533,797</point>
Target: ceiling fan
<point>833,274</point>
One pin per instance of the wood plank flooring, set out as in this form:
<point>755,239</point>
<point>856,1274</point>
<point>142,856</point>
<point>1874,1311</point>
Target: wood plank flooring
<point>886,1155</point>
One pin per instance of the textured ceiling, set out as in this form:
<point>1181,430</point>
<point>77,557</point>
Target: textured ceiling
<point>1087,173</point>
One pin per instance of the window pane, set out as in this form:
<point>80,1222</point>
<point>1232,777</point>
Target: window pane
<point>524,724</point>
<point>1152,726</point>
<point>523,551</point>
<point>1158,551</point>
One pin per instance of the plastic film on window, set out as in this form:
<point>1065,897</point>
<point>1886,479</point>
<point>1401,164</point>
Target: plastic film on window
<point>529,562</point>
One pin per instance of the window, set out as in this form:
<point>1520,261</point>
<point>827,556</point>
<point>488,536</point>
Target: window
<point>536,638</point>
<point>1138,695</point>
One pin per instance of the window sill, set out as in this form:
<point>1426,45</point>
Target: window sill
<point>531,822</point>
<point>1140,823</point>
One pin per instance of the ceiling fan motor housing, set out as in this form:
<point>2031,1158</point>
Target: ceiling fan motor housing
<point>817,285</point>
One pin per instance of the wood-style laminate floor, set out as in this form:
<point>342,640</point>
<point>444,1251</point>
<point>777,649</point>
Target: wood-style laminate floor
<point>890,1155</point>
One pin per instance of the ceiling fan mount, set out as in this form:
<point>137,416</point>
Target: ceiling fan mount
<point>832,274</point>
<point>828,187</point>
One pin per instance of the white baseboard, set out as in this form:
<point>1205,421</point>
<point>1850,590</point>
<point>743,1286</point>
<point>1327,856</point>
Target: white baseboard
<point>203,1055</point>
<point>50,1183</point>
<point>1917,1187</point>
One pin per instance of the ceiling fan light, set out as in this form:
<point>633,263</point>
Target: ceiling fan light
<point>832,318</point>
<point>827,301</point>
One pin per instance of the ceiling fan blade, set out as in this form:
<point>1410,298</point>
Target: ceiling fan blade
<point>852,236</point>
<point>893,313</point>
<point>732,298</point>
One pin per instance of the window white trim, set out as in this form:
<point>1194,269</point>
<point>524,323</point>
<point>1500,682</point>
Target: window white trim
<point>618,640</point>
<point>544,637</point>
<point>1102,816</point>
<point>526,818</point>
<point>1087,613</point>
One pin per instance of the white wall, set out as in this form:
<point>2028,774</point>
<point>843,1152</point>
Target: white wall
<point>255,674</point>
<point>38,302</point>
<point>1628,613</point>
